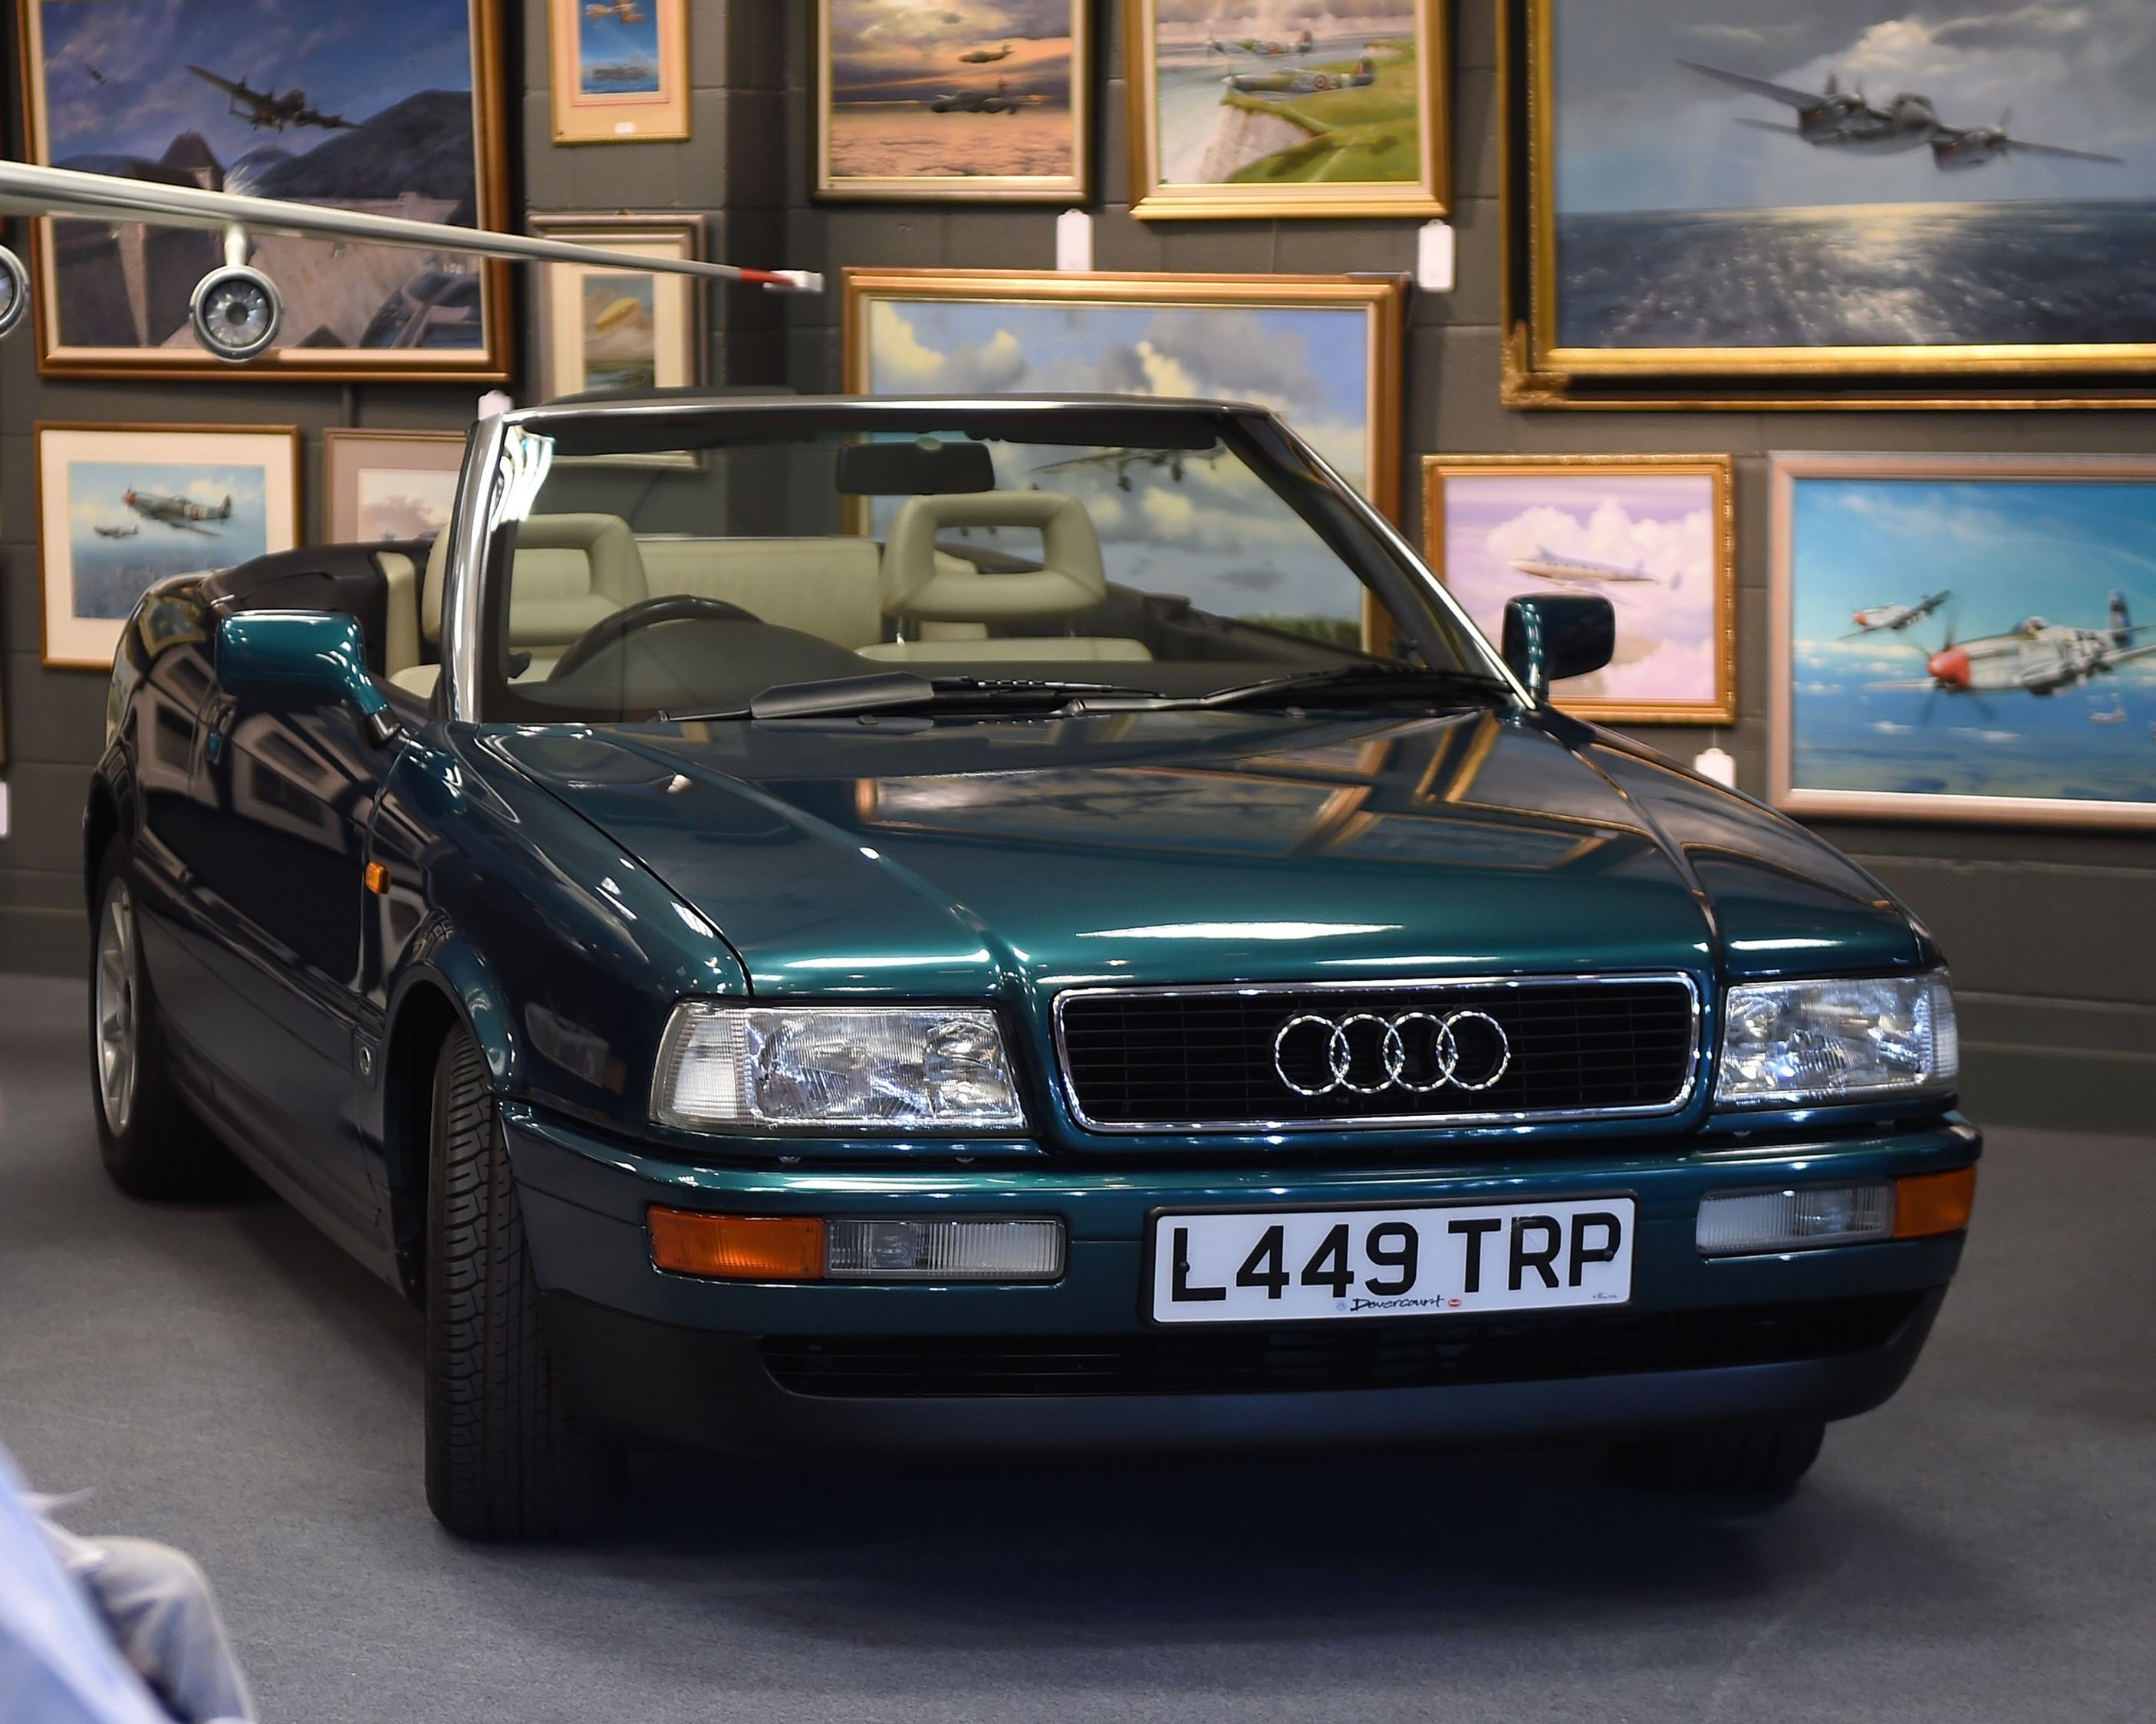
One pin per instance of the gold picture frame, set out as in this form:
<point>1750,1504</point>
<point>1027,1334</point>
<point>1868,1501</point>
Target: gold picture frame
<point>1279,69</point>
<point>1682,505</point>
<point>133,280</point>
<point>920,115</point>
<point>663,314</point>
<point>1544,366</point>
<point>121,507</point>
<point>1377,304</point>
<point>388,485</point>
<point>599,100</point>
<point>1911,550</point>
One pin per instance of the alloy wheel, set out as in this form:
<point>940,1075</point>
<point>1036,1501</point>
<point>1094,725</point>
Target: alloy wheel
<point>118,1028</point>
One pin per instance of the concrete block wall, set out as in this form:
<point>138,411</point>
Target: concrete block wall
<point>2052,934</point>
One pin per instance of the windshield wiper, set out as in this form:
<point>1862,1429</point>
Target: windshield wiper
<point>901,690</point>
<point>1377,679</point>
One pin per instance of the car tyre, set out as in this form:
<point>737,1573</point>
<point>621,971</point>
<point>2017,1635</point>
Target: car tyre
<point>507,1459</point>
<point>1763,1459</point>
<point>153,1144</point>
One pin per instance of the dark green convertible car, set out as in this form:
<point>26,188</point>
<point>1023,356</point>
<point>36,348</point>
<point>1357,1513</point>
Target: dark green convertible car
<point>980,925</point>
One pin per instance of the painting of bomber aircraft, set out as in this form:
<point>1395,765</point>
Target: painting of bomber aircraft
<point>1728,190</point>
<point>393,108</point>
<point>2020,686</point>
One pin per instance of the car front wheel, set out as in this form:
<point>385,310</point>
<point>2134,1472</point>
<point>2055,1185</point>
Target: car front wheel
<point>152,1144</point>
<point>505,1457</point>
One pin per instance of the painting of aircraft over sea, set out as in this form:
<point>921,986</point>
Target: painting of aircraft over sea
<point>1652,534</point>
<point>385,108</point>
<point>986,100</point>
<point>1870,187</point>
<point>122,509</point>
<point>1296,108</point>
<point>2020,686</point>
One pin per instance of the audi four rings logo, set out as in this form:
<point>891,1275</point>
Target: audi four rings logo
<point>1420,1052</point>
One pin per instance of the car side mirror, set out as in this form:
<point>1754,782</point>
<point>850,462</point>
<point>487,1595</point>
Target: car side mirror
<point>1549,636</point>
<point>302,658</point>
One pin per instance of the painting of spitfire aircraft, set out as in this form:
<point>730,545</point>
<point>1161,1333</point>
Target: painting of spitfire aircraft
<point>264,111</point>
<point>1895,617</point>
<point>236,310</point>
<point>1839,120</point>
<point>1306,82</point>
<point>181,514</point>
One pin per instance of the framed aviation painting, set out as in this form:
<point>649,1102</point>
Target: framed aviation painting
<point>1300,109</point>
<point>982,101</point>
<point>394,107</point>
<point>1965,638</point>
<point>1322,351</point>
<point>1653,534</point>
<point>613,329</point>
<point>621,69</point>
<point>389,484</point>
<point>120,508</point>
<point>1729,202</point>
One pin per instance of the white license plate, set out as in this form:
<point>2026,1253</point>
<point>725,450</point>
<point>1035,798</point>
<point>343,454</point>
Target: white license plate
<point>1270,1266</point>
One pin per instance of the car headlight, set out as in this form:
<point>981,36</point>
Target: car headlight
<point>1798,1042</point>
<point>931,1069</point>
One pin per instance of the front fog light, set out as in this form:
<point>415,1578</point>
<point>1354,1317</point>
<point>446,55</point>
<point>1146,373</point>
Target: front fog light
<point>930,1068</point>
<point>1800,1218</point>
<point>943,1250</point>
<point>812,1248</point>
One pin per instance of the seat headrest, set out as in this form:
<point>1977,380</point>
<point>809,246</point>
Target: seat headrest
<point>609,548</point>
<point>921,586</point>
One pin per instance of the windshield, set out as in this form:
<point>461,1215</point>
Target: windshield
<point>651,563</point>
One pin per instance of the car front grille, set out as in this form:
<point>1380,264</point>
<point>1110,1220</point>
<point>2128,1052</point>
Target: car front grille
<point>1257,1360</point>
<point>1139,1058</point>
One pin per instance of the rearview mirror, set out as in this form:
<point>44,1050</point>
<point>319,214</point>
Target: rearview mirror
<point>1549,636</point>
<point>301,658</point>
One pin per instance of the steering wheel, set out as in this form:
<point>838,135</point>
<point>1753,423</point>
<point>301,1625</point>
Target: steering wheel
<point>668,608</point>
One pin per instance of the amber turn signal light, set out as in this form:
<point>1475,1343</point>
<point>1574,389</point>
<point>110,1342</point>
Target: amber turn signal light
<point>377,877</point>
<point>1928,1204</point>
<point>737,1247</point>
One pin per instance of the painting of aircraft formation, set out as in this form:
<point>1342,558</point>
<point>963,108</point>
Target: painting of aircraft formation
<point>1863,177</point>
<point>1839,120</point>
<point>908,91</point>
<point>1262,47</point>
<point>2007,672</point>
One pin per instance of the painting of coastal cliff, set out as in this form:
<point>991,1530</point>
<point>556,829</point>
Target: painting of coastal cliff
<point>1745,187</point>
<point>1288,108</point>
<point>391,108</point>
<point>957,99</point>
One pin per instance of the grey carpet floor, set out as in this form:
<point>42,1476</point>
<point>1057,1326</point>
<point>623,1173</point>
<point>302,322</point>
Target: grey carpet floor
<point>1981,1549</point>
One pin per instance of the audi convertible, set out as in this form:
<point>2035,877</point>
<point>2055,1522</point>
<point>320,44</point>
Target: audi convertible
<point>1000,925</point>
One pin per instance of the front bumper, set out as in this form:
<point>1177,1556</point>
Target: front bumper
<point>718,1364</point>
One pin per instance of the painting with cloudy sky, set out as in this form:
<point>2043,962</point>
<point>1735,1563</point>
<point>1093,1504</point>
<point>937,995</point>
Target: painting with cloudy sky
<point>1650,541</point>
<point>1693,211</point>
<point>1866,713</point>
<point>1198,532</point>
<point>965,98</point>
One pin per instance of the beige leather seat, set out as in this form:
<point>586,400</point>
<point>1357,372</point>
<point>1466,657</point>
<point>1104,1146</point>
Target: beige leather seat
<point>944,606</point>
<point>569,572</point>
<point>826,586</point>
